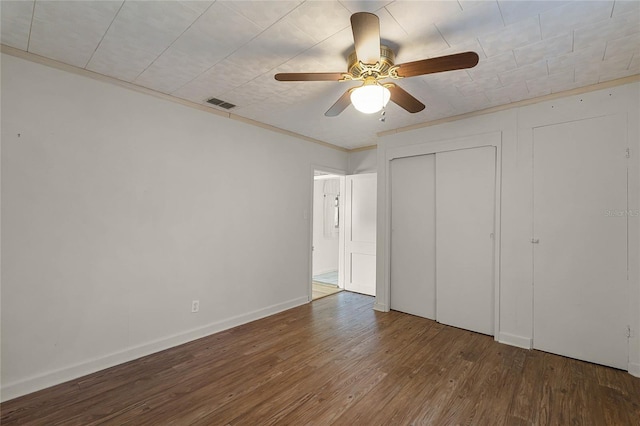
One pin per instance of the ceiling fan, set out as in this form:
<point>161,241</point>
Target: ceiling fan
<point>372,62</point>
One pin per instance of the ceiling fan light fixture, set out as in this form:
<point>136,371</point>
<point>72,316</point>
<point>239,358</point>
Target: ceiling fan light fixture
<point>370,97</point>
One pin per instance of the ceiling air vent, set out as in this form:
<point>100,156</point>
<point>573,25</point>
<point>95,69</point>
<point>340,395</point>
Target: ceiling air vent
<point>220,103</point>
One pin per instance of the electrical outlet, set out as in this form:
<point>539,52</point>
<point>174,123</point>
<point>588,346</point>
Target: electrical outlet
<point>195,306</point>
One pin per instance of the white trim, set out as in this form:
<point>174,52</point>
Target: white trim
<point>634,369</point>
<point>380,307</point>
<point>497,236</point>
<point>32,384</point>
<point>341,174</point>
<point>519,104</point>
<point>32,57</point>
<point>513,340</point>
<point>493,138</point>
<point>18,53</point>
<point>325,177</point>
<point>341,234</point>
<point>326,169</point>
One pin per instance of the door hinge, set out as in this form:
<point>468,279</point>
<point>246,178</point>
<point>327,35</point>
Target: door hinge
<point>627,153</point>
<point>628,331</point>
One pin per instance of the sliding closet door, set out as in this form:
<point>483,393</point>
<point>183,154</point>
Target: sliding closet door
<point>413,246</point>
<point>465,204</point>
<point>580,229</point>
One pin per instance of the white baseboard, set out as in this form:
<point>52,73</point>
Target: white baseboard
<point>513,340</point>
<point>380,307</point>
<point>527,343</point>
<point>32,384</point>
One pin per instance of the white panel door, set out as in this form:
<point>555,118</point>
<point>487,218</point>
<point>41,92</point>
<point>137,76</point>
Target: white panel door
<point>465,204</point>
<point>580,260</point>
<point>413,235</point>
<point>360,233</point>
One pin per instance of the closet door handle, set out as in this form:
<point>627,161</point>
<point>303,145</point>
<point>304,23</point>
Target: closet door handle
<point>535,241</point>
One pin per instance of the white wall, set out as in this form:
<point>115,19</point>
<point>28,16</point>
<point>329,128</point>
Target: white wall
<point>119,209</point>
<point>515,128</point>
<point>363,162</point>
<point>325,249</point>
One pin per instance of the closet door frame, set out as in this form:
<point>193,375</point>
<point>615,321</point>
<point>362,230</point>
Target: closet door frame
<point>493,139</point>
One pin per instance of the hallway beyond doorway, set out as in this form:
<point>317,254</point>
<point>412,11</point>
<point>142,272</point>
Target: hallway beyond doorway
<point>327,278</point>
<point>320,290</point>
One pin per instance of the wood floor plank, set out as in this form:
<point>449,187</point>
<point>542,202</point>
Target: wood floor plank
<point>429,380</point>
<point>336,361</point>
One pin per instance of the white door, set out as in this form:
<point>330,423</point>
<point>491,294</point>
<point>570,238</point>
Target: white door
<point>413,235</point>
<point>360,233</point>
<point>465,204</point>
<point>580,225</point>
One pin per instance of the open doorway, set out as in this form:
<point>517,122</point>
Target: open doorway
<point>327,240</point>
<point>343,233</point>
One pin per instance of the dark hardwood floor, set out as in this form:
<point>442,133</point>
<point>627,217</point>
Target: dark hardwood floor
<point>336,361</point>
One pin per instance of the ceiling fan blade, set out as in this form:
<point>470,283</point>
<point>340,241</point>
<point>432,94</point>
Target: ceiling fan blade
<point>443,63</point>
<point>404,99</point>
<point>340,105</point>
<point>310,76</point>
<point>366,37</point>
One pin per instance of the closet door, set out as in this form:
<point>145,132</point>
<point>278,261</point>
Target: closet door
<point>465,204</point>
<point>580,228</point>
<point>413,246</point>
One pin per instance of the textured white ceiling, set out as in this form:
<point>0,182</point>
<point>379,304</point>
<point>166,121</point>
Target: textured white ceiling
<point>196,50</point>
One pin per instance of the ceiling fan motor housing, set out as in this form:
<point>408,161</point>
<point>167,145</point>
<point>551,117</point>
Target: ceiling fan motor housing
<point>359,70</point>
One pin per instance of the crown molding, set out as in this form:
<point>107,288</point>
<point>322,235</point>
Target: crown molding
<point>101,77</point>
<point>18,53</point>
<point>363,148</point>
<point>577,91</point>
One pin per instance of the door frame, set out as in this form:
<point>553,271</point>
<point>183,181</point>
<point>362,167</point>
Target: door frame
<point>341,174</point>
<point>493,139</point>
